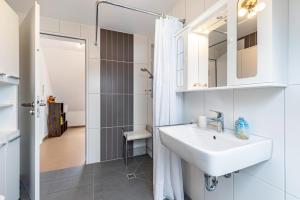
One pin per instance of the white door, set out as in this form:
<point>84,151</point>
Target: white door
<point>29,100</point>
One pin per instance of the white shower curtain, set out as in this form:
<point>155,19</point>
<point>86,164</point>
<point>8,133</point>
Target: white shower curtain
<point>167,176</point>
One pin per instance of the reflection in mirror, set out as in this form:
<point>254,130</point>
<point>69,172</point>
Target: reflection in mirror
<point>247,37</point>
<point>217,56</point>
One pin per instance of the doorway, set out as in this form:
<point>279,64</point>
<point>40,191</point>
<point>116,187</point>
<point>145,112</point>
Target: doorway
<point>63,91</point>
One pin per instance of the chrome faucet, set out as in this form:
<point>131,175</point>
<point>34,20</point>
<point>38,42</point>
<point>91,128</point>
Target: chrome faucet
<point>219,120</point>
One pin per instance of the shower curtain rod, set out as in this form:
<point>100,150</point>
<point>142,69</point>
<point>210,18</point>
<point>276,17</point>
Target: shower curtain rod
<point>98,3</point>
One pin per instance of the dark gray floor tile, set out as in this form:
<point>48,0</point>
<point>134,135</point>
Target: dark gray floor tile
<point>66,183</point>
<point>61,174</point>
<point>102,181</point>
<point>79,193</point>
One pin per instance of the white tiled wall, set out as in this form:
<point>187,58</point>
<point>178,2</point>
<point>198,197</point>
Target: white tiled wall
<point>294,67</point>
<point>292,107</point>
<point>271,113</point>
<point>50,25</point>
<point>290,197</point>
<point>142,98</point>
<point>264,110</point>
<point>220,101</point>
<point>94,76</point>
<point>224,190</point>
<point>249,188</point>
<point>63,28</point>
<point>251,104</point>
<point>293,140</point>
<point>70,29</point>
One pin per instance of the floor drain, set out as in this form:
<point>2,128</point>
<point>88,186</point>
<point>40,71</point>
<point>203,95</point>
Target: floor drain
<point>131,176</point>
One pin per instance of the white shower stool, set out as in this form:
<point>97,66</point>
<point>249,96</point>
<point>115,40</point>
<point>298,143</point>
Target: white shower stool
<point>132,136</point>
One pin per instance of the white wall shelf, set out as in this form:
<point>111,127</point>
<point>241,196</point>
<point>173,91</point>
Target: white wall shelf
<point>260,85</point>
<point>7,134</point>
<point>5,80</point>
<point>6,105</point>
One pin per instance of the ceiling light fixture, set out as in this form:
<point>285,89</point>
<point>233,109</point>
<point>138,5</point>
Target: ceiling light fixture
<point>250,7</point>
<point>243,12</point>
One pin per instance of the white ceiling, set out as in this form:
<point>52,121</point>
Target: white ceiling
<point>83,11</point>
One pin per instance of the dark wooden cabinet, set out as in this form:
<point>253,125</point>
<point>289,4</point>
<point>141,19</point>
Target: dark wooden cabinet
<point>57,123</point>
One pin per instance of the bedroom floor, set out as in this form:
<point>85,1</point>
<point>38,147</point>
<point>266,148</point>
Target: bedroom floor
<point>63,152</point>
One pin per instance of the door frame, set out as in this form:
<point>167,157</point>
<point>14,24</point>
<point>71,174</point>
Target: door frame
<point>85,82</point>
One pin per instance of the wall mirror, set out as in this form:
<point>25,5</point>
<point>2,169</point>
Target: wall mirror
<point>215,30</point>
<point>247,35</point>
<point>217,53</point>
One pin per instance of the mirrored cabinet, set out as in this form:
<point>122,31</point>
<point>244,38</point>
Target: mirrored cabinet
<point>191,56</point>
<point>259,34</point>
<point>234,44</point>
<point>180,62</point>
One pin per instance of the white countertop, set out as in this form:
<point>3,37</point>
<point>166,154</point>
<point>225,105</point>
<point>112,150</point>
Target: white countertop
<point>7,135</point>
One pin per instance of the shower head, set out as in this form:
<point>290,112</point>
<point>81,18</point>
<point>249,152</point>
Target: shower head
<point>146,70</point>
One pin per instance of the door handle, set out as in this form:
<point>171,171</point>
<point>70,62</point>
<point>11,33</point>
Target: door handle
<point>42,103</point>
<point>28,105</point>
<point>31,112</point>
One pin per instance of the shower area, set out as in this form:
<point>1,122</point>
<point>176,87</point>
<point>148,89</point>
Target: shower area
<point>126,94</point>
<point>126,105</point>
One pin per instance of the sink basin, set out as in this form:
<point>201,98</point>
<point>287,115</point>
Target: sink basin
<point>214,153</point>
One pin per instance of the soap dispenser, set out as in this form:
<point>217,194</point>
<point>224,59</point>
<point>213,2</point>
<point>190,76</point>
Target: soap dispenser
<point>242,128</point>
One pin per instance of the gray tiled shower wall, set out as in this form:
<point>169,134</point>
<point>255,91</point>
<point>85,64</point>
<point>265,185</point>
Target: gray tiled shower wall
<point>116,73</point>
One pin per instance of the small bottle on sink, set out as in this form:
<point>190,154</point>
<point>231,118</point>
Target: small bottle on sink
<point>242,128</point>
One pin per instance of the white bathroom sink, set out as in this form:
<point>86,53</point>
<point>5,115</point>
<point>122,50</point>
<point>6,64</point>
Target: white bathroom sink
<point>214,153</point>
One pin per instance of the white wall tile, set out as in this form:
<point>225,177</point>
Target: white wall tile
<point>141,49</point>
<point>94,76</point>
<point>220,101</point>
<point>264,110</point>
<point>140,79</point>
<point>193,106</point>
<point>209,3</point>
<point>89,32</point>
<point>292,140</point>
<point>93,147</point>
<point>140,85</point>
<point>140,109</point>
<point>193,181</point>
<point>137,70</point>
<point>290,197</point>
<point>49,25</point>
<point>224,190</point>
<point>85,31</point>
<point>93,111</point>
<point>194,8</point>
<point>250,188</point>
<point>294,42</point>
<point>70,28</point>
<point>139,127</point>
<point>149,109</point>
<point>179,9</point>
<point>149,147</point>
